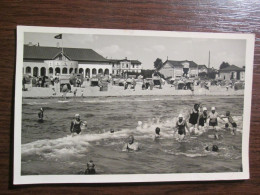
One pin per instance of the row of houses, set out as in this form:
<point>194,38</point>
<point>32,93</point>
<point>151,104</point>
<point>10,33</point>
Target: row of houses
<point>50,61</point>
<point>178,69</point>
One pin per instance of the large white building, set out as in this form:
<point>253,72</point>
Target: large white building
<point>177,69</point>
<point>125,65</point>
<point>50,61</point>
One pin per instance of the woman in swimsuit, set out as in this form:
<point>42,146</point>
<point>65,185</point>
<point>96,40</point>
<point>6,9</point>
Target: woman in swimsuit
<point>131,145</point>
<point>76,124</point>
<point>202,119</point>
<point>194,115</point>
<point>181,126</point>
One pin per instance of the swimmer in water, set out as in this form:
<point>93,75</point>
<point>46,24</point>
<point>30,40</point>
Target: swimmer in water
<point>181,126</point>
<point>76,124</point>
<point>202,120</point>
<point>213,149</point>
<point>40,115</point>
<point>157,133</point>
<point>231,121</point>
<point>90,168</point>
<point>131,145</point>
<point>194,115</point>
<point>112,131</point>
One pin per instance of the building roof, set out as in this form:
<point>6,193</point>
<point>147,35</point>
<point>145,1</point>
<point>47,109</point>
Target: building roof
<point>49,53</point>
<point>118,61</point>
<point>202,66</point>
<point>174,63</point>
<point>232,68</point>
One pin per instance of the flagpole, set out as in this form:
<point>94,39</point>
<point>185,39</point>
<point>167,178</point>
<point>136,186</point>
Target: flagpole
<point>62,44</point>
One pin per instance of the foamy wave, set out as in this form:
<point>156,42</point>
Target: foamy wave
<point>37,103</point>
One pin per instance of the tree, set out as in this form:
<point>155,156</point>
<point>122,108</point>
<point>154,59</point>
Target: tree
<point>158,63</point>
<point>224,65</point>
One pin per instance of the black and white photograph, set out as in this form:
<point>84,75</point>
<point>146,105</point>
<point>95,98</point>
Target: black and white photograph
<point>101,105</point>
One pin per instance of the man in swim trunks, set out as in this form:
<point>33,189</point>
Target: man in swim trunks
<point>202,119</point>
<point>231,121</point>
<point>181,126</point>
<point>40,114</point>
<point>131,145</point>
<point>194,115</point>
<point>76,124</point>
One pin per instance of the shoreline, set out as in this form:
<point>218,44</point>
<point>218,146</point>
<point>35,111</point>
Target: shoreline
<point>118,91</point>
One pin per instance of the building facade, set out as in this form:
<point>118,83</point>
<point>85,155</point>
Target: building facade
<point>202,68</point>
<point>178,69</point>
<point>52,61</point>
<point>121,66</point>
<point>232,72</point>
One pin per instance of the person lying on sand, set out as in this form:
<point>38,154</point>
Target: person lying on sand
<point>131,145</point>
<point>181,126</point>
<point>76,124</point>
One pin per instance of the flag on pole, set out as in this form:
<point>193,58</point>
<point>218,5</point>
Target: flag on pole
<point>58,36</point>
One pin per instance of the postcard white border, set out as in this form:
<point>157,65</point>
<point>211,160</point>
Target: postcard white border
<point>40,179</point>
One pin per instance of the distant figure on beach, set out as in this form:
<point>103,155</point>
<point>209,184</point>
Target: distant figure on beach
<point>40,115</point>
<point>194,115</point>
<point>157,133</point>
<point>231,121</point>
<point>75,92</point>
<point>202,120</point>
<point>181,126</point>
<point>82,93</point>
<point>76,124</point>
<point>131,145</point>
<point>90,168</point>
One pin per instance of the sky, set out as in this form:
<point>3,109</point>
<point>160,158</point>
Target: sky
<point>148,49</point>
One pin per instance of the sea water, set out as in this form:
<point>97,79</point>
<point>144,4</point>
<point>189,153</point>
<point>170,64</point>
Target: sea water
<point>49,148</point>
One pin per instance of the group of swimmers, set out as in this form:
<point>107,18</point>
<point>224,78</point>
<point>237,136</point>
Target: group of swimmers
<point>198,117</point>
<point>198,121</point>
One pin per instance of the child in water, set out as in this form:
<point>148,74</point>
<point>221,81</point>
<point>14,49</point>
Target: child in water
<point>90,168</point>
<point>231,121</point>
<point>181,126</point>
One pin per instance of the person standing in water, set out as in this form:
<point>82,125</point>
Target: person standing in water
<point>131,144</point>
<point>40,115</point>
<point>76,124</point>
<point>194,115</point>
<point>181,126</point>
<point>213,118</point>
<point>231,121</point>
<point>202,120</point>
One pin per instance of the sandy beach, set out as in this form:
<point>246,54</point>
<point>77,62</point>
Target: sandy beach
<point>88,91</point>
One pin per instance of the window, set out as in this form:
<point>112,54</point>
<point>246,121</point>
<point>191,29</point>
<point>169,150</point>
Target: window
<point>50,70</point>
<point>64,71</point>
<point>28,70</point>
